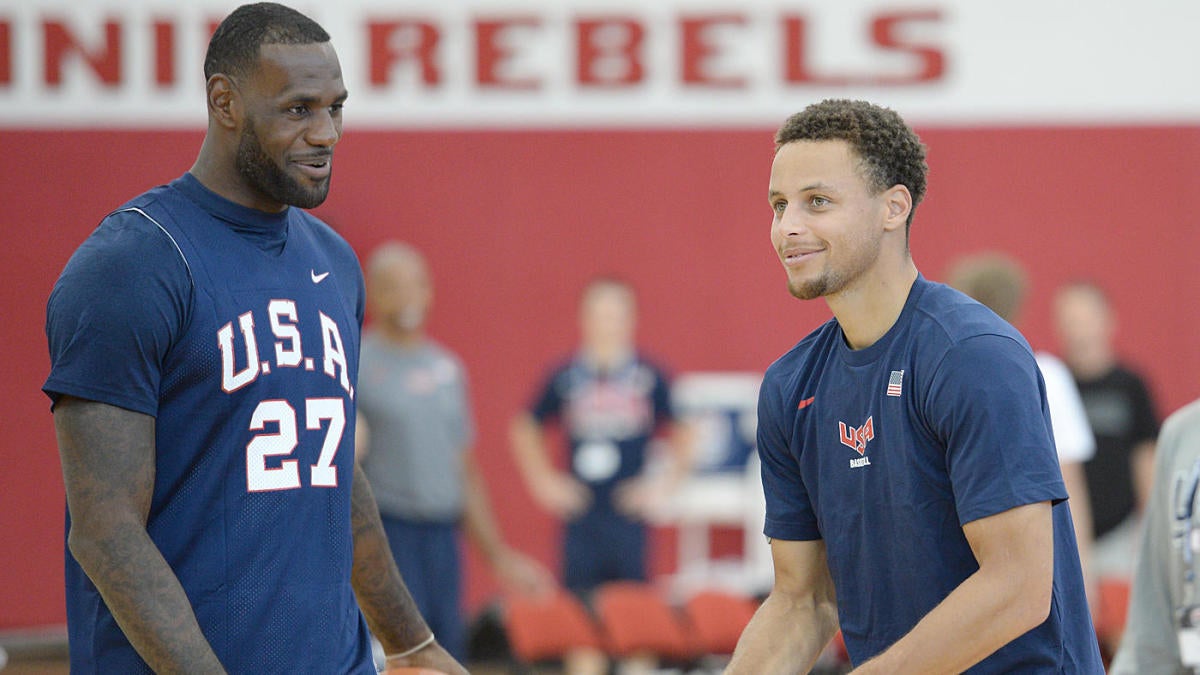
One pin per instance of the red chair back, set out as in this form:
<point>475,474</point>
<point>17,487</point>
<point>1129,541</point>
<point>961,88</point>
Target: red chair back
<point>548,627</point>
<point>717,619</point>
<point>636,619</point>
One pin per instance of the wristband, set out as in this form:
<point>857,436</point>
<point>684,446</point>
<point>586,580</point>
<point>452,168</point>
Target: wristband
<point>413,650</point>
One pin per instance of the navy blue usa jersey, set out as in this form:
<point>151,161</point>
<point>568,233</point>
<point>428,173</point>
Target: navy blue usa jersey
<point>609,418</point>
<point>238,331</point>
<point>886,452</point>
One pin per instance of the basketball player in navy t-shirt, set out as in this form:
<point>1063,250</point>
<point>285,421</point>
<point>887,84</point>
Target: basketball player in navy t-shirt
<point>913,492</point>
<point>204,346</point>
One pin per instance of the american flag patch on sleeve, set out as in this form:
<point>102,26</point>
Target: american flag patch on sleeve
<point>894,383</point>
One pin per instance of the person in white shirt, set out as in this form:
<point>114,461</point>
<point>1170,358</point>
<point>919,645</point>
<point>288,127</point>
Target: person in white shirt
<point>1000,283</point>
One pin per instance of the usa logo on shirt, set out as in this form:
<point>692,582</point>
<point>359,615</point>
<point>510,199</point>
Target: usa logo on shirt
<point>895,382</point>
<point>856,438</point>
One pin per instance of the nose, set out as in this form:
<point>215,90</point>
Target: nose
<point>790,222</point>
<point>325,129</point>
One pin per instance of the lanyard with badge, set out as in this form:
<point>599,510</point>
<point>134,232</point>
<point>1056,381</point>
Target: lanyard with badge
<point>1188,614</point>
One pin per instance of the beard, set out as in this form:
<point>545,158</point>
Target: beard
<point>814,288</point>
<point>831,281</point>
<point>266,176</point>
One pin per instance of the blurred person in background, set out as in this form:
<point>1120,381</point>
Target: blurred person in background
<point>415,445</point>
<point>1121,412</point>
<point>999,282</point>
<point>1122,415</point>
<point>611,402</point>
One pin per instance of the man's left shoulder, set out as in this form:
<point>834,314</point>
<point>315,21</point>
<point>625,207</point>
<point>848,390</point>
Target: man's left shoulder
<point>947,313</point>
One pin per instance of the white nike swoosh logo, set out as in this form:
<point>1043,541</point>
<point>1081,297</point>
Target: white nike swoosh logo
<point>318,278</point>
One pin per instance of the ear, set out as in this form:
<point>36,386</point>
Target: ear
<point>898,202</point>
<point>224,103</point>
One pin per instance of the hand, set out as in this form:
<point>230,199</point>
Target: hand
<point>562,495</point>
<point>521,574</point>
<point>641,497</point>
<point>431,660</point>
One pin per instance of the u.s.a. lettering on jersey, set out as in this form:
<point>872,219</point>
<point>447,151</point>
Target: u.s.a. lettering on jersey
<point>268,463</point>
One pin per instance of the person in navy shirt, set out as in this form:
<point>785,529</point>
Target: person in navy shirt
<point>913,492</point>
<point>204,357</point>
<point>611,401</point>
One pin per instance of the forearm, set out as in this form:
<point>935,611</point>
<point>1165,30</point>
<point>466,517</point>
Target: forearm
<point>108,462</point>
<point>477,515</point>
<point>529,450</point>
<point>386,603</point>
<point>1143,472</point>
<point>985,612</point>
<point>683,454</point>
<point>1081,520</point>
<point>786,635</point>
<point>146,599</point>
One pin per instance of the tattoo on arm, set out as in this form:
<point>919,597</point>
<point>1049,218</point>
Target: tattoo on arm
<point>108,468</point>
<point>389,608</point>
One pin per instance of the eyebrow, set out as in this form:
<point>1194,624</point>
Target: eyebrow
<point>310,99</point>
<point>807,188</point>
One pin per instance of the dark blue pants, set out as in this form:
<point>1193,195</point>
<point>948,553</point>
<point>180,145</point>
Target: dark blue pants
<point>601,546</point>
<point>429,560</point>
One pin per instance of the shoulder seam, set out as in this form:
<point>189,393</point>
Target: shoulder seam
<point>134,209</point>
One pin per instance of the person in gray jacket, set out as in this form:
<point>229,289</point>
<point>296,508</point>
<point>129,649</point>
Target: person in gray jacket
<point>1162,629</point>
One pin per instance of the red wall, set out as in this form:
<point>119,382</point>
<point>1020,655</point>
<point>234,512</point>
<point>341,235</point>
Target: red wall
<point>514,222</point>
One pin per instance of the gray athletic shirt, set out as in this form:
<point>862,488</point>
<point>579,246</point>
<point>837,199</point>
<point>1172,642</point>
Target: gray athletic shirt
<point>414,400</point>
<point>1150,644</point>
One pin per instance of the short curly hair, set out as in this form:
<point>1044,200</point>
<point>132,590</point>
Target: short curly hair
<point>234,47</point>
<point>890,152</point>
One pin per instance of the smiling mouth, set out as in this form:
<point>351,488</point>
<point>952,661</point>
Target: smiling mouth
<point>797,257</point>
<point>318,167</point>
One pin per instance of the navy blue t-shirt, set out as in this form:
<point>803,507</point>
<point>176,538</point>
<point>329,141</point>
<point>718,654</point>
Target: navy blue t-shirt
<point>238,330</point>
<point>609,418</point>
<point>886,452</point>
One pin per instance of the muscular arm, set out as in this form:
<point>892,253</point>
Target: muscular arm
<point>390,611</point>
<point>1008,596</point>
<point>797,619</point>
<point>108,460</point>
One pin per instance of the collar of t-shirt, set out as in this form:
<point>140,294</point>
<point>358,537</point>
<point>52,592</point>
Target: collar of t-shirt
<point>267,231</point>
<point>862,357</point>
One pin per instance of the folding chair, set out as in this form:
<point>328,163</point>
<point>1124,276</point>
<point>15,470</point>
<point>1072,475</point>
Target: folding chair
<point>1114,605</point>
<point>717,619</point>
<point>545,628</point>
<point>637,621</point>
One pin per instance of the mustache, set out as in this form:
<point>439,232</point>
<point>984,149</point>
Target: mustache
<point>322,155</point>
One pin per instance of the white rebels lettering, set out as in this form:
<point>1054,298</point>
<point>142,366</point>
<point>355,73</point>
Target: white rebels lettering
<point>466,61</point>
